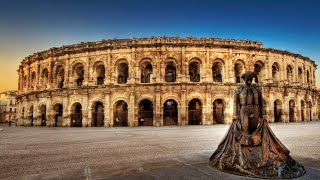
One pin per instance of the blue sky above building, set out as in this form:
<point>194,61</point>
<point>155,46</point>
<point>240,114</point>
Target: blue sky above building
<point>27,27</point>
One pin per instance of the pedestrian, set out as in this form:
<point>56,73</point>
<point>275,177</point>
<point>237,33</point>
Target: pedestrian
<point>9,123</point>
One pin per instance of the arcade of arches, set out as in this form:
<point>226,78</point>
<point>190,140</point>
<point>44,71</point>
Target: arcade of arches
<point>145,113</point>
<point>160,81</point>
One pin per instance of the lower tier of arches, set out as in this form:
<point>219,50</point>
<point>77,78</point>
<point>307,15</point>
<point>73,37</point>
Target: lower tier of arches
<point>151,107</point>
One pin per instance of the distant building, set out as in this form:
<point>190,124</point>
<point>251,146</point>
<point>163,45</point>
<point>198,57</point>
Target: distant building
<point>8,106</point>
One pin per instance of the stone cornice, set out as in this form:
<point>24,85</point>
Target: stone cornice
<point>155,42</point>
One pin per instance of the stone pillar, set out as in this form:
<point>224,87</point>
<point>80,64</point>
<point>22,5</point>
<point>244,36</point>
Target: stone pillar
<point>89,115</point>
<point>85,110</point>
<point>183,108</point>
<point>107,105</point>
<point>158,121</point>
<point>66,114</point>
<point>132,121</point>
<point>67,73</point>
<point>86,70</point>
<point>207,108</point>
<point>184,66</point>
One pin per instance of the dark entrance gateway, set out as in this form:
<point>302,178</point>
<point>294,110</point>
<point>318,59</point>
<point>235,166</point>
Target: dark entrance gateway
<point>120,114</point>
<point>43,110</point>
<point>58,121</point>
<point>145,114</point>
<point>98,115</point>
<point>30,114</point>
<point>76,115</point>
<point>194,112</point>
<point>218,111</point>
<point>170,113</point>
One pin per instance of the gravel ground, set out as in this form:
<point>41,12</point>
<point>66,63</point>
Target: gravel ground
<point>95,153</point>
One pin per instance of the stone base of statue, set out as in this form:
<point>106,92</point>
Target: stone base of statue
<point>258,154</point>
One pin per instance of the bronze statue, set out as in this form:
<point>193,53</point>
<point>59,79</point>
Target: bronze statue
<point>250,148</point>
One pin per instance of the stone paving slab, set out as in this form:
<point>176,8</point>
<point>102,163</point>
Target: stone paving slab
<point>135,153</point>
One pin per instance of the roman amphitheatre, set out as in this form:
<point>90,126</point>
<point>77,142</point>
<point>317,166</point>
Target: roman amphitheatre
<point>160,81</point>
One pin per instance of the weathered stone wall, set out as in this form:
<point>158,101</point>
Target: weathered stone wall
<point>284,76</point>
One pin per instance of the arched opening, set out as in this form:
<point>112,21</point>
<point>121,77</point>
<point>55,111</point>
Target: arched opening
<point>170,113</point>
<point>291,111</point>
<point>146,72</point>
<point>217,69</point>
<point>60,76</point>
<point>78,74</point>
<point>45,77</point>
<point>120,114</point>
<point>58,120</point>
<point>259,70</point>
<point>22,113</point>
<point>97,115</point>
<point>289,74</point>
<point>194,71</point>
<point>238,70</point>
<point>308,77</point>
<point>195,112</point>
<point>43,112</point>
<point>302,110</point>
<point>300,74</point>
<point>30,115</point>
<point>309,108</point>
<point>24,82</point>
<point>277,110</point>
<point>33,80</point>
<point>123,73</point>
<point>170,72</point>
<point>275,72</point>
<point>76,115</point>
<point>100,73</point>
<point>145,113</point>
<point>218,111</point>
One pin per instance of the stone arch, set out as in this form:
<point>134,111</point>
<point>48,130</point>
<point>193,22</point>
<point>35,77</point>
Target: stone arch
<point>292,105</point>
<point>218,70</point>
<point>33,79</point>
<point>76,114</point>
<point>308,77</point>
<point>145,113</point>
<point>300,79</point>
<point>309,110</point>
<point>218,111</point>
<point>260,70</point>
<point>195,69</point>
<point>122,71</point>
<point>58,113</point>
<point>239,69</point>
<point>302,109</point>
<point>289,73</point>
<point>43,113</point>
<point>99,72</point>
<point>146,70</point>
<point>59,76</point>
<point>278,110</point>
<point>170,70</point>
<point>97,109</point>
<point>78,73</point>
<point>195,112</point>
<point>275,72</point>
<point>31,111</point>
<point>44,77</point>
<point>170,112</point>
<point>120,112</point>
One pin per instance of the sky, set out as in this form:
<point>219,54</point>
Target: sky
<point>31,26</point>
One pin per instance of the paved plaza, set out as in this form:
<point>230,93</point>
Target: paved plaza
<point>135,153</point>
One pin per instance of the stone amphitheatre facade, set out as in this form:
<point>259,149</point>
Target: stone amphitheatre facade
<point>160,81</point>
